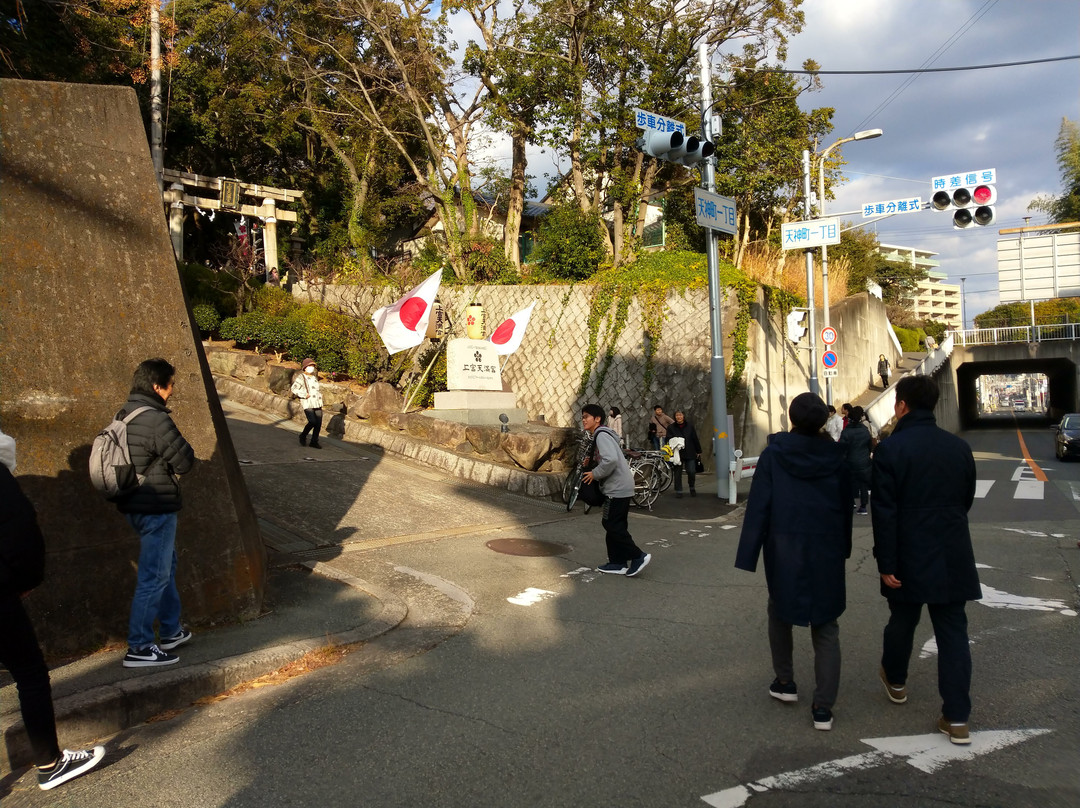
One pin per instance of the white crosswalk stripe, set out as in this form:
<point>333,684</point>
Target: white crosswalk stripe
<point>982,488</point>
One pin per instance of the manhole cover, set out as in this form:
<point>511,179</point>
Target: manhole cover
<point>527,547</point>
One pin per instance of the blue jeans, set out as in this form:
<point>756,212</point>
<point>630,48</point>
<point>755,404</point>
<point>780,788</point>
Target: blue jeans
<point>156,595</point>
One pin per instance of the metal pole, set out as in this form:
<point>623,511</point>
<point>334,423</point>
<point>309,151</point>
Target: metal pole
<point>824,263</point>
<point>718,374</point>
<point>157,154</point>
<point>963,308</point>
<point>814,388</point>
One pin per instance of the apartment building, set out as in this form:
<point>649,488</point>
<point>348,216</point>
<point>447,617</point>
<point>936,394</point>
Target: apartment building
<point>933,299</point>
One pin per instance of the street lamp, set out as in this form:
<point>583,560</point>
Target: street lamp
<point>866,134</point>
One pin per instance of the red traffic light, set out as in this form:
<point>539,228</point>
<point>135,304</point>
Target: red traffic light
<point>983,194</point>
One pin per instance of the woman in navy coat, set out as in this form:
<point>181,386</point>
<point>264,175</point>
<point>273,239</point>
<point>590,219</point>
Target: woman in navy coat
<point>799,513</point>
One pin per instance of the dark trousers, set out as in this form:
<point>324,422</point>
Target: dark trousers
<point>677,470</point>
<point>620,544</point>
<point>314,423</point>
<point>860,486</point>
<point>826,640</point>
<point>21,655</point>
<point>954,654</point>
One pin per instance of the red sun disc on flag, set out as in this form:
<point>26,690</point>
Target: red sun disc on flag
<point>503,333</point>
<point>411,311</point>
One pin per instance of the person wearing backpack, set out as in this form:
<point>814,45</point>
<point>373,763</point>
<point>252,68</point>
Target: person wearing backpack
<point>22,567</point>
<point>617,484</point>
<point>159,454</point>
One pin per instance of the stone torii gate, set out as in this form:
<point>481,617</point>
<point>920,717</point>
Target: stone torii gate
<point>182,191</point>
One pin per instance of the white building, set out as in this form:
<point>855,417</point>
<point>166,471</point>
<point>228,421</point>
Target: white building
<point>933,299</point>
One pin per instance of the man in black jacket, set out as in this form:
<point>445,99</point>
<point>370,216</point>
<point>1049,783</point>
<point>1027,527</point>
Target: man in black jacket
<point>159,453</point>
<point>924,484</point>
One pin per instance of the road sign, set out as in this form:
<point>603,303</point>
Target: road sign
<point>814,233</point>
<point>660,123</point>
<point>828,335</point>
<point>829,373</point>
<point>829,359</point>
<point>912,204</point>
<point>715,211</point>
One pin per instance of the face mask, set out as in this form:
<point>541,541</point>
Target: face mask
<point>309,369</point>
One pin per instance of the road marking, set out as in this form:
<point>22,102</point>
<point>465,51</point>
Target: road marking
<point>996,599</point>
<point>1039,473</point>
<point>927,753</point>
<point>530,597</point>
<point>982,488</point>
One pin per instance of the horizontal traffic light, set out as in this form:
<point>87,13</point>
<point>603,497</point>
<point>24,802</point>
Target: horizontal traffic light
<point>675,148</point>
<point>972,205</point>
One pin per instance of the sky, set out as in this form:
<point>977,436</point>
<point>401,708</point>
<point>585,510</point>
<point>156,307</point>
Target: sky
<point>936,124</point>
<point>944,123</point>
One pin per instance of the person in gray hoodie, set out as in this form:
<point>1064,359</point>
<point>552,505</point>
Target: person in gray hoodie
<point>608,466</point>
<point>799,514</point>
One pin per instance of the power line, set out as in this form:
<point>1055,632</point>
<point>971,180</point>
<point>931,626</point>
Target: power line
<point>918,69</point>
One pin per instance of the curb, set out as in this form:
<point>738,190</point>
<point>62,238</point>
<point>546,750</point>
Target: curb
<point>108,709</point>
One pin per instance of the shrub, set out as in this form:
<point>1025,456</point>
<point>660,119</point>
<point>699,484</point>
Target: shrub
<point>570,244</point>
<point>275,301</point>
<point>206,317</point>
<point>911,339</point>
<point>435,381</point>
<point>246,329</point>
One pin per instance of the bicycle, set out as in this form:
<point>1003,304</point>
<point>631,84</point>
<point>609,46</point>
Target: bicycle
<point>662,459</point>
<point>572,484</point>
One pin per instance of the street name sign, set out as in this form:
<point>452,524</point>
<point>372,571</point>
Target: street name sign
<point>814,233</point>
<point>949,182</point>
<point>661,123</point>
<point>912,204</point>
<point>715,211</point>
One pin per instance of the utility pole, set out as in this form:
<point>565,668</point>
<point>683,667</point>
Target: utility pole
<point>156,149</point>
<point>808,214</point>
<point>718,373</point>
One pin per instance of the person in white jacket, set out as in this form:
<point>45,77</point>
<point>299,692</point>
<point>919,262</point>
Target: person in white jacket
<point>306,388</point>
<point>835,425</point>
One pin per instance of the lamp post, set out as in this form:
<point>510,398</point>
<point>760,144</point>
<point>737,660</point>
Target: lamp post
<point>866,134</point>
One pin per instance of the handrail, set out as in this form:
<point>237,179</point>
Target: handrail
<point>1016,333</point>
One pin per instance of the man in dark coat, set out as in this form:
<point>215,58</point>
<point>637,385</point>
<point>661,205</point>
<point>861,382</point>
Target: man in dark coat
<point>924,484</point>
<point>799,513</point>
<point>160,453</point>
<point>856,440</point>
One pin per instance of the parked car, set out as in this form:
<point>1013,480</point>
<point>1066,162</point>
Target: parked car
<point>1067,440</point>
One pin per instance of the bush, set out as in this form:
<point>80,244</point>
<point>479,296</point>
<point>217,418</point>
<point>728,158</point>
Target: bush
<point>246,329</point>
<point>435,382</point>
<point>206,317</point>
<point>911,339</point>
<point>275,301</point>
<point>570,244</point>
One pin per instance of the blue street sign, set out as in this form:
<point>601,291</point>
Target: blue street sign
<point>828,359</point>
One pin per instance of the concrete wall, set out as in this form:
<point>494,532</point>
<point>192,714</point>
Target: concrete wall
<point>545,372</point>
<point>88,289</point>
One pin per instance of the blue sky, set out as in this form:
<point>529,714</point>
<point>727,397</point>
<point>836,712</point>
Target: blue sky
<point>944,123</point>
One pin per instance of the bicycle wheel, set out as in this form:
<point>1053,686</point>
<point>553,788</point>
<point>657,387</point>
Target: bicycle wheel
<point>665,474</point>
<point>646,479</point>
<point>571,487</point>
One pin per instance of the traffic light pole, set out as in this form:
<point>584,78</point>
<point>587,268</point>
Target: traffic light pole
<point>808,214</point>
<point>721,440</point>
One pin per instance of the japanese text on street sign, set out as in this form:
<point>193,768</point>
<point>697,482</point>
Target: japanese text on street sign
<point>804,235</point>
<point>951,181</point>
<point>715,211</point>
<point>912,204</point>
<point>650,120</point>
<point>830,373</point>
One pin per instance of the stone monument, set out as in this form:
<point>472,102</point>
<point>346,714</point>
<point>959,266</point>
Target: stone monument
<point>89,288</point>
<point>475,392</point>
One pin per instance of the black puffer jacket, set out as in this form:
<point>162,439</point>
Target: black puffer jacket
<point>159,451</point>
<point>857,442</point>
<point>22,548</point>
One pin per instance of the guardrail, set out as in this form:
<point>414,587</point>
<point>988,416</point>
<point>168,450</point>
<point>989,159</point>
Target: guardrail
<point>741,468</point>
<point>1016,333</point>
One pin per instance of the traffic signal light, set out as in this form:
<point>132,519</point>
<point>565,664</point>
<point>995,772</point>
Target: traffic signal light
<point>795,326</point>
<point>675,147</point>
<point>972,204</point>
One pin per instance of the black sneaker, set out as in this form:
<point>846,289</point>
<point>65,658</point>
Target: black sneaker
<point>175,641</point>
<point>70,766</point>
<point>315,445</point>
<point>822,718</point>
<point>148,657</point>
<point>612,568</point>
<point>785,691</point>
<point>638,564</point>
<point>303,440</point>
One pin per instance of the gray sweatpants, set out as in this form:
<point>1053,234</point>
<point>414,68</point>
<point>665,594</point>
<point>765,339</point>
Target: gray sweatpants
<point>826,639</point>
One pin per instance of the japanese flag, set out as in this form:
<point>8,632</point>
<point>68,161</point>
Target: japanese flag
<point>507,337</point>
<point>403,324</point>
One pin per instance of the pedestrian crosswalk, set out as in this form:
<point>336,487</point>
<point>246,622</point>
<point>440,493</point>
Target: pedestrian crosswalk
<point>1027,484</point>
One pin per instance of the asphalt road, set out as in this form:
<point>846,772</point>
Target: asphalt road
<point>524,681</point>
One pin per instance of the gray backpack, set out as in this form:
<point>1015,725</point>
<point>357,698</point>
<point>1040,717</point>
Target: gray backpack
<point>111,470</point>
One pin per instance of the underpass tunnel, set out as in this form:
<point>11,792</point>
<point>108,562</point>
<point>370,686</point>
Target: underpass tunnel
<point>1061,387</point>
